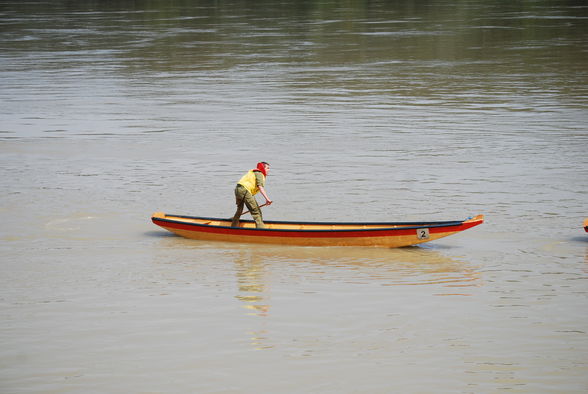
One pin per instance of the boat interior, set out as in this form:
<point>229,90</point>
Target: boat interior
<point>284,225</point>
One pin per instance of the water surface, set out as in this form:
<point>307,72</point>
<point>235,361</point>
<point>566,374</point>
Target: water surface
<point>376,111</point>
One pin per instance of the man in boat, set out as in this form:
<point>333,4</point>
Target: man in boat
<point>246,189</point>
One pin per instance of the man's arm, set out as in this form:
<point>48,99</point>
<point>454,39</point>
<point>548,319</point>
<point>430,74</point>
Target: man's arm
<point>264,194</point>
<point>260,180</point>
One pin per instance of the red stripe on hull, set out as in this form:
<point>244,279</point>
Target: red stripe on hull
<point>309,233</point>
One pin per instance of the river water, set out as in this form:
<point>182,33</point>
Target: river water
<point>367,111</point>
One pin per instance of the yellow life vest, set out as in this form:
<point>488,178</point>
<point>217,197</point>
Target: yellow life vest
<point>248,181</point>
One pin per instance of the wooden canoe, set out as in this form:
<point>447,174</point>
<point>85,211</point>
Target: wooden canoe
<point>390,235</point>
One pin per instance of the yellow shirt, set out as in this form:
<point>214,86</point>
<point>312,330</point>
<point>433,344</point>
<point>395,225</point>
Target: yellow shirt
<point>252,180</point>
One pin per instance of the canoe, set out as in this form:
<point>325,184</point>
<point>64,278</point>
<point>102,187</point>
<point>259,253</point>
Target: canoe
<point>385,234</point>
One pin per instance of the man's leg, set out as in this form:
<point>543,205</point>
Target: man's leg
<point>254,209</point>
<point>240,201</point>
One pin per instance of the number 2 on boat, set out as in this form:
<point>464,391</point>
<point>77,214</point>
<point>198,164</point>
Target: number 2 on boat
<point>423,233</point>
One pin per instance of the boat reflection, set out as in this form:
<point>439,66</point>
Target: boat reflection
<point>261,269</point>
<point>256,265</point>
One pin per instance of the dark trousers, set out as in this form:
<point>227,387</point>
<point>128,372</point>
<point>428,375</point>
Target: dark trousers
<point>244,198</point>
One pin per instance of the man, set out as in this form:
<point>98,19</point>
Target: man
<point>247,187</point>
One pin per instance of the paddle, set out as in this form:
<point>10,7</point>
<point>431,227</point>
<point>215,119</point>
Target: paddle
<point>259,206</point>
